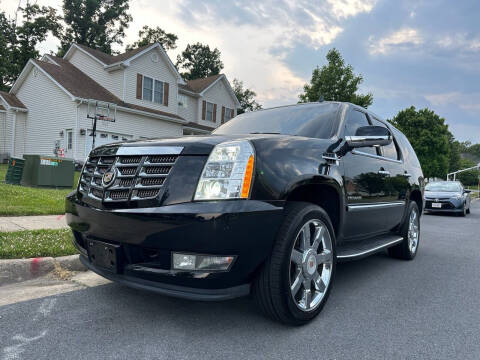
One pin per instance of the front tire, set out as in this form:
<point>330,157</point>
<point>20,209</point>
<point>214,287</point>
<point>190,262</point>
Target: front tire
<point>410,231</point>
<point>296,279</point>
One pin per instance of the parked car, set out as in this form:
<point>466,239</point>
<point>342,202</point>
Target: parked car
<point>447,196</point>
<point>269,203</point>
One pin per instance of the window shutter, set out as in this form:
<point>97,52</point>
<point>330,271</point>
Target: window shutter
<point>165,94</point>
<point>204,109</point>
<point>139,86</point>
<point>223,114</point>
<point>233,114</point>
<point>214,112</point>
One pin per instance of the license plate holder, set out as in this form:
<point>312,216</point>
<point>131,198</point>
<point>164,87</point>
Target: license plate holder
<point>437,205</point>
<point>104,255</point>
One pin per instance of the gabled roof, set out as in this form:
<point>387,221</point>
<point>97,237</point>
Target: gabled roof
<point>75,81</point>
<point>80,86</point>
<point>200,86</point>
<point>112,59</point>
<point>110,62</point>
<point>12,100</point>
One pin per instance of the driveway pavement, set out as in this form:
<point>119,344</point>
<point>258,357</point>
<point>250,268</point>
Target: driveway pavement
<point>19,223</point>
<point>380,308</point>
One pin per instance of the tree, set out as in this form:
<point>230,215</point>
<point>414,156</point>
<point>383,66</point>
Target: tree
<point>455,154</point>
<point>18,42</point>
<point>335,82</point>
<point>199,61</point>
<point>98,24</point>
<point>148,35</point>
<point>246,97</point>
<point>471,177</point>
<point>429,136</point>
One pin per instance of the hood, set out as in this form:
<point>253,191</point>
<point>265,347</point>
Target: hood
<point>193,145</point>
<point>441,194</point>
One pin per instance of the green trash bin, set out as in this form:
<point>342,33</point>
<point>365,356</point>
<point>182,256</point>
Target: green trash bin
<point>49,171</point>
<point>14,171</point>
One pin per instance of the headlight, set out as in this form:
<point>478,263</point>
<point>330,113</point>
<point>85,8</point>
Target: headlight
<point>457,196</point>
<point>227,173</point>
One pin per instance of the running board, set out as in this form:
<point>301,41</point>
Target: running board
<point>357,249</point>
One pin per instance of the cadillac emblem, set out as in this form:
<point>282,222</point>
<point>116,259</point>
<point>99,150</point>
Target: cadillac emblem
<point>109,177</point>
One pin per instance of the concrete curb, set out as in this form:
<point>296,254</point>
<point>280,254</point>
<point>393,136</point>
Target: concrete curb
<point>17,270</point>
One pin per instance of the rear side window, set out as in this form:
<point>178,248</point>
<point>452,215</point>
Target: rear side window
<point>356,119</point>
<point>388,151</point>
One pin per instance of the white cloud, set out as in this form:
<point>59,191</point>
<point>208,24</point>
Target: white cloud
<point>459,41</point>
<point>348,8</point>
<point>403,38</point>
<point>469,102</point>
<point>253,51</point>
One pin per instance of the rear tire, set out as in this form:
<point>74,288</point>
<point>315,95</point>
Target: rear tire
<point>410,231</point>
<point>295,281</point>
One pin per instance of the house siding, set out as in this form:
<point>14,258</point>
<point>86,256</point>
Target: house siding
<point>20,131</point>
<point>45,118</point>
<point>190,113</point>
<point>126,124</point>
<point>217,94</point>
<point>4,144</point>
<point>157,70</point>
<point>112,81</point>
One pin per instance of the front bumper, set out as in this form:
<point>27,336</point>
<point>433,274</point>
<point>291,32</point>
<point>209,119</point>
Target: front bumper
<point>451,205</point>
<point>148,236</point>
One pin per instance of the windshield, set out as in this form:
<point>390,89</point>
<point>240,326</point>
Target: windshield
<point>449,186</point>
<point>312,120</point>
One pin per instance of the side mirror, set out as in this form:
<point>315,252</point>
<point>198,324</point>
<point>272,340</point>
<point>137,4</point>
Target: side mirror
<point>369,136</point>
<point>467,191</point>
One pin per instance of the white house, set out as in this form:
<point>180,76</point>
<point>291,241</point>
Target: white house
<point>48,104</point>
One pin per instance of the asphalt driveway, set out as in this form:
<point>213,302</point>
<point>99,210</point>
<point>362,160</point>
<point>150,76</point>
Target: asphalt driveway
<point>380,308</point>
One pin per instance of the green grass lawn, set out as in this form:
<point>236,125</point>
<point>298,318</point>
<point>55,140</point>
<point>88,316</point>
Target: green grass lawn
<point>18,200</point>
<point>36,243</point>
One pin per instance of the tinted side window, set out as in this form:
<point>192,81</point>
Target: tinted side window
<point>389,151</point>
<point>356,119</point>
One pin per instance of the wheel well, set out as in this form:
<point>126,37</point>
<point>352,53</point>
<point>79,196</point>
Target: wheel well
<point>324,196</point>
<point>416,196</point>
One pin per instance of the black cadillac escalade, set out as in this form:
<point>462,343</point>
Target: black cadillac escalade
<point>267,204</point>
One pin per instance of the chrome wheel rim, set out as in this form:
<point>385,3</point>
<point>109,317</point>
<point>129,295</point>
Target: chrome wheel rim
<point>413,232</point>
<point>311,263</point>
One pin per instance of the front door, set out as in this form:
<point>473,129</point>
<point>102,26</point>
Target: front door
<point>68,150</point>
<point>397,183</point>
<point>365,185</point>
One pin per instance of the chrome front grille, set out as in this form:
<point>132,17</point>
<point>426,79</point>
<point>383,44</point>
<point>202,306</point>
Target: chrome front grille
<point>137,177</point>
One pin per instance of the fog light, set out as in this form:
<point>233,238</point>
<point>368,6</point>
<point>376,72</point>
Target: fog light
<point>201,262</point>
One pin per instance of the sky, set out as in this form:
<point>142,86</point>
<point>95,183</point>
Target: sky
<point>412,52</point>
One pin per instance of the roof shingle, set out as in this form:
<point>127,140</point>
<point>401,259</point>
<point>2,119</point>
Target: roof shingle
<point>198,85</point>
<point>112,59</point>
<point>12,100</point>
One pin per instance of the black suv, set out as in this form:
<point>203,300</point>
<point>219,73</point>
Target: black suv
<point>267,204</point>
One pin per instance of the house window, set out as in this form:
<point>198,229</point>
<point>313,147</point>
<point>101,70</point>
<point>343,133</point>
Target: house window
<point>228,114</point>
<point>115,137</point>
<point>182,101</point>
<point>158,92</point>
<point>147,88</point>
<point>69,140</point>
<point>209,114</point>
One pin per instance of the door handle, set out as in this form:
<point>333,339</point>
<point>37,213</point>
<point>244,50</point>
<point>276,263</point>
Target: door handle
<point>384,172</point>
